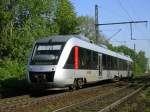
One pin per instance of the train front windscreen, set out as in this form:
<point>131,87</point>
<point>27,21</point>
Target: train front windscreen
<point>46,54</point>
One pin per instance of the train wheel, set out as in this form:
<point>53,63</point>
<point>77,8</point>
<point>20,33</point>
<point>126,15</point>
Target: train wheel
<point>80,83</point>
<point>73,86</point>
<point>116,78</point>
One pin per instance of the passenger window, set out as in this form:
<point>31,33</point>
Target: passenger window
<point>95,60</point>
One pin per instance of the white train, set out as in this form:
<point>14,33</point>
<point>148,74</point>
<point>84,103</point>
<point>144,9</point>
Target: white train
<point>72,61</point>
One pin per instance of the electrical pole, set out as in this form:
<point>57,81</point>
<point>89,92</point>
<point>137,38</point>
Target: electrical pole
<point>96,23</point>
<point>130,22</point>
<point>131,31</point>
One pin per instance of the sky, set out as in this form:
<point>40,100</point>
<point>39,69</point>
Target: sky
<point>120,11</point>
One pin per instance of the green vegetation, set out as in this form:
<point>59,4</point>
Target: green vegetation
<point>24,21</point>
<point>86,25</point>
<point>138,103</point>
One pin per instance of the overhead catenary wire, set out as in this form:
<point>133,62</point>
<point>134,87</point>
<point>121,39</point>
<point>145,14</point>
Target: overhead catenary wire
<point>144,39</point>
<point>131,22</point>
<point>123,8</point>
<point>127,13</point>
<point>119,41</point>
<point>109,30</point>
<point>131,27</point>
<point>114,34</point>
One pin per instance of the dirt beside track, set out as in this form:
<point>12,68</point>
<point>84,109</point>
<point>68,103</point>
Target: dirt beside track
<point>52,102</point>
<point>98,96</point>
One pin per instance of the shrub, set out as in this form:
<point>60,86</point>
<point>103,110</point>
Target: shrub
<point>11,69</point>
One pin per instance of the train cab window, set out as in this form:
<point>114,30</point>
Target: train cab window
<point>46,54</point>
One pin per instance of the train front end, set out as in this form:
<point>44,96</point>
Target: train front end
<point>42,65</point>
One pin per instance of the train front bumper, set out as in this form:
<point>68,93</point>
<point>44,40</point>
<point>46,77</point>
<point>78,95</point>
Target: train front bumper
<point>48,85</point>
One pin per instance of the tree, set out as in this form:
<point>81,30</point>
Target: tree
<point>142,61</point>
<point>24,21</point>
<point>86,25</point>
<point>66,17</point>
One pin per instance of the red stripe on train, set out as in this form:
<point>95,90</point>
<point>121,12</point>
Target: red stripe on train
<point>76,58</point>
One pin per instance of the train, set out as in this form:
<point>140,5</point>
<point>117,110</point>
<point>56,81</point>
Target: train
<point>73,61</point>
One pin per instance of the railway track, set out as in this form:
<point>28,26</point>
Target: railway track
<point>109,102</point>
<point>99,102</point>
<point>26,103</point>
<point>101,96</point>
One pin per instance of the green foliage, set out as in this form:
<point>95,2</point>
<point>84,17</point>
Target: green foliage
<point>66,17</point>
<point>11,69</point>
<point>86,26</point>
<point>22,23</point>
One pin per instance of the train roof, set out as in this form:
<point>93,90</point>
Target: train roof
<point>54,39</point>
<point>61,38</point>
<point>82,41</point>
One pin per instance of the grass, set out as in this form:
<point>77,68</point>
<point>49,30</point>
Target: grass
<point>139,103</point>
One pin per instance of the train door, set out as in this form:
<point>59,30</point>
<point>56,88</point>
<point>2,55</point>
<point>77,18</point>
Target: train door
<point>100,64</point>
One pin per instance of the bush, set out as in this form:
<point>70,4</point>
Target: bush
<point>11,69</point>
<point>12,78</point>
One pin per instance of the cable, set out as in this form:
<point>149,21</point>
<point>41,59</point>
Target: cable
<point>114,34</point>
<point>120,41</point>
<point>124,10</point>
<point>109,30</point>
<point>128,16</point>
<point>144,39</point>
